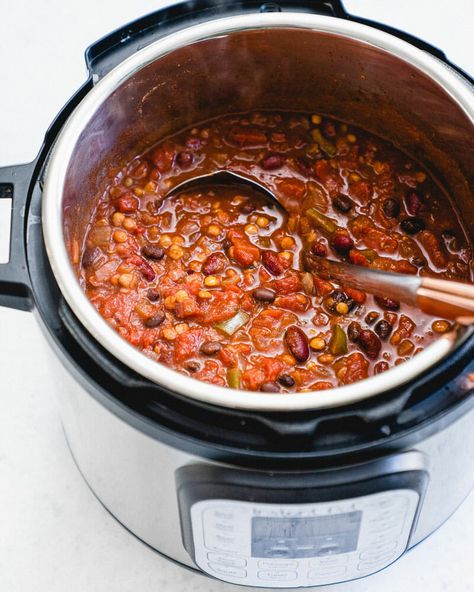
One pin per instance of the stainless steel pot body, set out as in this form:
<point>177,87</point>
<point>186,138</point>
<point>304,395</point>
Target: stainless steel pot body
<point>262,61</point>
<point>135,475</point>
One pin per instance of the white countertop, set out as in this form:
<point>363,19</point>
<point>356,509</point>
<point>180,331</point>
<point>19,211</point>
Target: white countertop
<point>54,534</point>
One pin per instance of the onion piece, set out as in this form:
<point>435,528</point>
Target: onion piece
<point>230,326</point>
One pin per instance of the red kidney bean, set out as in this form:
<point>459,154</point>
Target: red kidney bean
<point>297,343</point>
<point>414,203</point>
<point>184,159</point>
<point>127,203</point>
<point>210,348</point>
<point>90,256</point>
<point>342,243</point>
<point>270,387</point>
<point>387,303</point>
<point>155,320</point>
<point>391,208</point>
<point>370,343</point>
<point>264,295</point>
<point>319,249</point>
<point>272,162</point>
<point>143,267</point>
<point>272,263</point>
<point>215,263</point>
<point>153,252</point>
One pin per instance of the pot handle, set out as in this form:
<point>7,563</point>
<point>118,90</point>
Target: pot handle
<point>15,287</point>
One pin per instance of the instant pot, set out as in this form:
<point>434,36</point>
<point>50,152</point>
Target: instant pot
<point>256,489</point>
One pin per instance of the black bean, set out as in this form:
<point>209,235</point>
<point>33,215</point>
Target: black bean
<point>210,348</point>
<point>155,320</point>
<point>153,295</point>
<point>192,366</point>
<point>383,329</point>
<point>264,295</point>
<point>412,225</point>
<point>270,387</point>
<point>153,252</point>
<point>338,296</point>
<point>417,261</point>
<point>342,203</point>
<point>391,208</point>
<point>353,331</point>
<point>286,380</point>
<point>371,317</point>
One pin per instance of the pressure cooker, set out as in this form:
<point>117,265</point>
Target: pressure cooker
<point>257,489</point>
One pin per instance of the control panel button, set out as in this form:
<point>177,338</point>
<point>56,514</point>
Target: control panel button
<point>328,570</point>
<point>376,562</point>
<point>392,527</point>
<point>277,564</point>
<point>277,575</point>
<point>329,560</point>
<point>228,560</point>
<point>227,571</point>
<point>376,550</point>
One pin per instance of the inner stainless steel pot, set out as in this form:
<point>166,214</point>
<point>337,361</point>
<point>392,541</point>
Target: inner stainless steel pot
<point>263,61</point>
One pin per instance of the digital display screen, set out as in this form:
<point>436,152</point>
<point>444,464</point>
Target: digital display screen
<point>312,536</point>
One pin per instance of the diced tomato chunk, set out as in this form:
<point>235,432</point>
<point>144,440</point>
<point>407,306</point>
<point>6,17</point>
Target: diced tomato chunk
<point>187,344</point>
<point>163,157</point>
<point>287,285</point>
<point>351,368</point>
<point>127,203</point>
<point>247,136</point>
<point>265,370</point>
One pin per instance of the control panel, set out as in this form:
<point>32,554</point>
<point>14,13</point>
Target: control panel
<point>310,544</point>
<point>291,529</point>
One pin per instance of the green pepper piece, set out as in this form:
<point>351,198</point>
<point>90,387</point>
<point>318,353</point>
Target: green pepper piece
<point>233,378</point>
<point>321,221</point>
<point>369,254</point>
<point>338,341</point>
<point>327,146</point>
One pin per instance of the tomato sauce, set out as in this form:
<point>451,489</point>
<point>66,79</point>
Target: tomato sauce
<point>213,281</point>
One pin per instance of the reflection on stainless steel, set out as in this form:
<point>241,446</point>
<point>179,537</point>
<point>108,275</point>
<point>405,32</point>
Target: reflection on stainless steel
<point>445,298</point>
<point>380,283</point>
<point>263,61</point>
